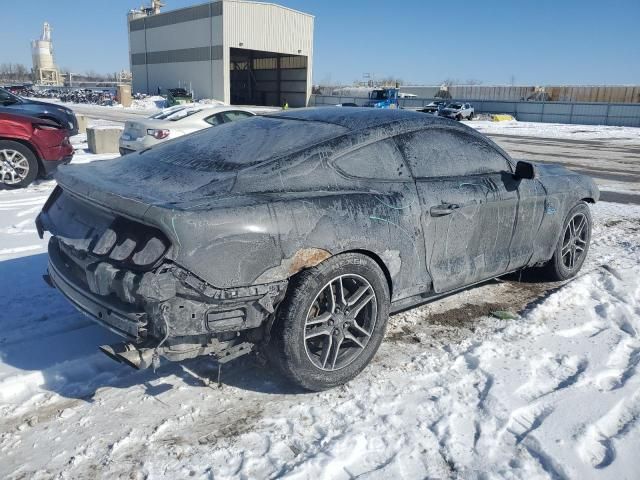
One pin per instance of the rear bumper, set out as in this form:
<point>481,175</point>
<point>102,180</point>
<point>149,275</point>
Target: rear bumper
<point>124,321</point>
<point>125,151</point>
<point>144,306</point>
<point>138,144</point>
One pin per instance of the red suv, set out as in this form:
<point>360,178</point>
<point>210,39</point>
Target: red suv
<point>30,146</point>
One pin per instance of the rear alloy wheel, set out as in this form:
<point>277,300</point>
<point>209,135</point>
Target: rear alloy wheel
<point>18,165</point>
<point>573,245</point>
<point>332,322</point>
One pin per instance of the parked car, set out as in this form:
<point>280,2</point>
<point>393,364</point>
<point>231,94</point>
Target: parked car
<point>433,107</point>
<point>63,116</point>
<point>30,147</point>
<point>179,120</point>
<point>297,234</point>
<point>458,111</point>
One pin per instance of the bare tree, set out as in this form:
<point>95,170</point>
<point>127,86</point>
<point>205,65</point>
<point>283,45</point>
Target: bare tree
<point>14,73</point>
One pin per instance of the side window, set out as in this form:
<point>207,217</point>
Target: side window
<point>447,153</point>
<point>233,116</point>
<point>214,119</point>
<point>5,97</point>
<point>380,161</point>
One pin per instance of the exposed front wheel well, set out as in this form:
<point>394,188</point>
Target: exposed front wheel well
<point>588,200</point>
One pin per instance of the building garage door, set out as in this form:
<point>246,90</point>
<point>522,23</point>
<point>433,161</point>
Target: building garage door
<point>266,78</point>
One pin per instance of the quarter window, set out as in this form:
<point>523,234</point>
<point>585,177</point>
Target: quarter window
<point>233,116</point>
<point>446,153</point>
<point>214,120</point>
<point>380,161</point>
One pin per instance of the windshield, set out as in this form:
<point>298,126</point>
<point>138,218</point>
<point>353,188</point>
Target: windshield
<point>176,113</point>
<point>379,95</point>
<point>455,105</point>
<point>186,112</point>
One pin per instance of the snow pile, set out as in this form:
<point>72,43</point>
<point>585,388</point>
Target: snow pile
<point>557,130</point>
<point>453,392</point>
<point>152,103</point>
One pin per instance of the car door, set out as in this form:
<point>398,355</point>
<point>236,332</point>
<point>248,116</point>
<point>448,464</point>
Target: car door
<point>468,204</point>
<point>389,206</point>
<point>532,207</point>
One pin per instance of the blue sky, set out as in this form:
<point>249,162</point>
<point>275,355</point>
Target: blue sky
<point>419,41</point>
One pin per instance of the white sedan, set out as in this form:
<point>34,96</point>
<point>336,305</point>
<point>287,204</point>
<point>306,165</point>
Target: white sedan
<point>180,120</point>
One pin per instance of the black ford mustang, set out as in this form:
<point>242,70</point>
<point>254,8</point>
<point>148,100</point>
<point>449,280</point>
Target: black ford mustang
<point>297,234</point>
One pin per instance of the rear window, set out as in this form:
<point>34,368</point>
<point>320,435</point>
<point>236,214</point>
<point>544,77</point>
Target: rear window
<point>166,112</point>
<point>233,146</point>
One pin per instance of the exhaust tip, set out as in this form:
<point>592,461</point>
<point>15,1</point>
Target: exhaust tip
<point>129,354</point>
<point>138,359</point>
<point>110,351</point>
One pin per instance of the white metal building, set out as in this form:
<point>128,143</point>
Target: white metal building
<point>237,51</point>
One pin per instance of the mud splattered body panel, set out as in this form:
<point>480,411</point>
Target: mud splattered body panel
<point>227,217</point>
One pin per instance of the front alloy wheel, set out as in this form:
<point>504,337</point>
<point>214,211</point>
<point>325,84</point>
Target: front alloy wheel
<point>574,241</point>
<point>572,246</point>
<point>18,164</point>
<point>14,167</point>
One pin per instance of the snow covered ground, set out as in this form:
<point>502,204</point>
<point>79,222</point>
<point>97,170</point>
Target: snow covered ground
<point>453,393</point>
<point>558,130</point>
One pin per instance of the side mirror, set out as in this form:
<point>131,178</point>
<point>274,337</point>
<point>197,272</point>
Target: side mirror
<point>525,171</point>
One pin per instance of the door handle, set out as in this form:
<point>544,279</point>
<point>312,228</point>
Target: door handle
<point>444,209</point>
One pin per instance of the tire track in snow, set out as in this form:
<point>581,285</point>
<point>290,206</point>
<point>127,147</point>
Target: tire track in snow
<point>597,447</point>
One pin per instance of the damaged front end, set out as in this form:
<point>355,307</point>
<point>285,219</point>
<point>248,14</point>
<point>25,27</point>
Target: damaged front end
<point>119,272</point>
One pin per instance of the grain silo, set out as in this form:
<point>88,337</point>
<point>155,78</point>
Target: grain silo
<point>45,71</point>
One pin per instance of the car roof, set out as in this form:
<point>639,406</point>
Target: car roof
<point>361,118</point>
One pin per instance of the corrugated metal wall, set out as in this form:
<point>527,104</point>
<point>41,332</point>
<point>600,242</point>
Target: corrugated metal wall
<point>267,27</point>
<point>585,113</point>
<point>552,93</point>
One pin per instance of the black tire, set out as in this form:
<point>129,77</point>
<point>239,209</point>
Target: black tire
<point>458,117</point>
<point>299,357</point>
<point>560,267</point>
<point>29,159</point>
<point>471,116</point>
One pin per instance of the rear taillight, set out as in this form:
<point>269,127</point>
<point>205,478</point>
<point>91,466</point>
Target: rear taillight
<point>158,133</point>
